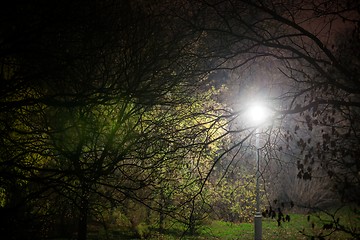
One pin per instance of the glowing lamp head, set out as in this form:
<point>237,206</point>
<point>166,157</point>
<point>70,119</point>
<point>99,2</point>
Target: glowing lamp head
<point>258,114</point>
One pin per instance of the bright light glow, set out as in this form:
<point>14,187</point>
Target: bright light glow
<point>258,114</point>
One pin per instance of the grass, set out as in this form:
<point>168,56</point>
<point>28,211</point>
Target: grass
<point>270,230</point>
<point>220,230</point>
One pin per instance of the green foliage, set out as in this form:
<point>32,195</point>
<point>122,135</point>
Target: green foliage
<point>143,230</point>
<point>2,197</point>
<point>234,199</point>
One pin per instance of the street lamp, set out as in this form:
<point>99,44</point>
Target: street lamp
<point>257,113</point>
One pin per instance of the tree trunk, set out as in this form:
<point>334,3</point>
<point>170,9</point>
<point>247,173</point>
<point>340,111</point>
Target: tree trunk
<point>83,217</point>
<point>162,215</point>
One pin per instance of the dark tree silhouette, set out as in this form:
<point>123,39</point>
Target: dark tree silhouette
<point>104,103</point>
<point>303,55</point>
<point>95,106</point>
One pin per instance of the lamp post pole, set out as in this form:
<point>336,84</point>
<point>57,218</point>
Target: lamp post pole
<point>258,114</point>
<point>257,217</point>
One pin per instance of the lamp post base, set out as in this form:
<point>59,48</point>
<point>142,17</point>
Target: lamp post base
<point>258,226</point>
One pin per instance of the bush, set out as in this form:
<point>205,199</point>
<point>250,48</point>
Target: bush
<point>143,230</point>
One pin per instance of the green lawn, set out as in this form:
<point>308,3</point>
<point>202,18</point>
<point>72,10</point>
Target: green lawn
<point>229,231</point>
<point>287,231</point>
<point>219,230</point>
